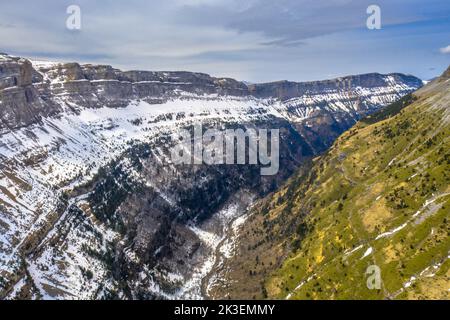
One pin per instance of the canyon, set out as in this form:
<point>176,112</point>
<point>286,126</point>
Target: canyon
<point>91,204</point>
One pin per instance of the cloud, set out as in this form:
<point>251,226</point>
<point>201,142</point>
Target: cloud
<point>284,43</point>
<point>253,39</point>
<point>445,50</point>
<point>289,22</point>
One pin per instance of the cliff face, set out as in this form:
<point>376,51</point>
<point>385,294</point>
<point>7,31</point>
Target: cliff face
<point>286,90</point>
<point>20,101</point>
<point>86,177</point>
<point>320,110</point>
<point>30,91</point>
<point>445,75</point>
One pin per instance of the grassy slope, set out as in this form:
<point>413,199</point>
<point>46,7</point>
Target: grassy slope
<point>389,176</point>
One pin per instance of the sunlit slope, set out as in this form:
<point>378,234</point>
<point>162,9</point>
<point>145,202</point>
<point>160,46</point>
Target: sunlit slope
<point>381,196</point>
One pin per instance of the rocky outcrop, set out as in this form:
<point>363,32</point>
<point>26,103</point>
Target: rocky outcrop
<point>20,101</point>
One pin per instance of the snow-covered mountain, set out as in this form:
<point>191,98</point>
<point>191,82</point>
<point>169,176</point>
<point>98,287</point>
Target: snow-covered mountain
<point>91,205</point>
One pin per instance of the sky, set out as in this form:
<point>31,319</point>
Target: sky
<point>251,40</point>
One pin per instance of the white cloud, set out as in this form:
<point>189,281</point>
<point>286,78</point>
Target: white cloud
<point>445,50</point>
<point>255,40</point>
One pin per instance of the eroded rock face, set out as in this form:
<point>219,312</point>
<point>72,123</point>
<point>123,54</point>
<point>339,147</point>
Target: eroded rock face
<point>17,72</point>
<point>286,90</point>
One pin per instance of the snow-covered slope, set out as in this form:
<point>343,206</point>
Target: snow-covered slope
<point>62,123</point>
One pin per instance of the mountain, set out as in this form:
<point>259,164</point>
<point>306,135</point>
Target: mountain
<point>91,205</point>
<point>376,203</point>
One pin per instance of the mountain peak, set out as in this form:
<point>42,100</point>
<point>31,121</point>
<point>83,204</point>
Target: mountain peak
<point>446,74</point>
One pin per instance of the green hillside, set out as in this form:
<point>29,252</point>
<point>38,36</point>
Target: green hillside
<point>380,196</point>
